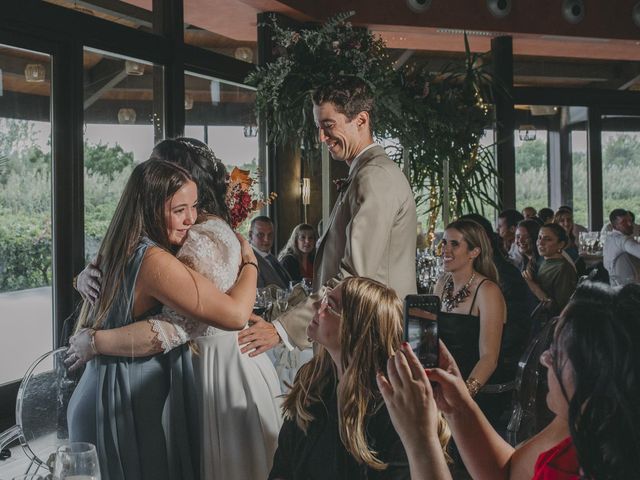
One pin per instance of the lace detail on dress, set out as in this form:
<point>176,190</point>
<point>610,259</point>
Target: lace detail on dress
<point>168,335</point>
<point>213,250</point>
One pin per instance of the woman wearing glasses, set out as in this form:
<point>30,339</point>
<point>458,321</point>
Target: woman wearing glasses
<point>336,423</point>
<point>594,385</point>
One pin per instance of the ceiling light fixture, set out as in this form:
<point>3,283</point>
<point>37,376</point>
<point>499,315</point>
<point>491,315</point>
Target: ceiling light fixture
<point>133,68</point>
<point>527,133</point>
<point>250,130</point>
<point>34,73</point>
<point>244,53</point>
<point>126,116</point>
<point>188,102</point>
<point>470,33</point>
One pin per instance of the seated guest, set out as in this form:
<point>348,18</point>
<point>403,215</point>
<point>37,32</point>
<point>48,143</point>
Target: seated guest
<point>473,309</point>
<point>526,238</point>
<point>545,215</point>
<point>261,239</point>
<point>529,212</point>
<point>577,228</point>
<point>556,279</point>
<point>516,329</point>
<point>564,218</point>
<point>621,253</point>
<point>507,223</point>
<point>594,384</point>
<point>297,255</point>
<point>608,228</point>
<point>336,423</point>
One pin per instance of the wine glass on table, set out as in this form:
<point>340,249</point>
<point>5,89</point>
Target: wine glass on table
<point>262,303</point>
<point>282,297</point>
<point>77,461</point>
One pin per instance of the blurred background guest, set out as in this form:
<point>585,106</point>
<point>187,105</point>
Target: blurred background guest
<point>577,228</point>
<point>556,279</point>
<point>297,255</point>
<point>564,218</point>
<point>526,238</point>
<point>545,215</point>
<point>507,223</point>
<point>529,212</point>
<point>621,254</point>
<point>270,272</point>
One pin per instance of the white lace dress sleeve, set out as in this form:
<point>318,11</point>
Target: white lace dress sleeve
<point>212,250</point>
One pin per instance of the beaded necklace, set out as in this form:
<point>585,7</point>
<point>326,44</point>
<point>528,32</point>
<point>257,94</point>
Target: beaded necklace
<point>451,301</point>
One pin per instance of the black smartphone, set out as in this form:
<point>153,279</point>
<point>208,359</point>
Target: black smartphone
<point>421,327</point>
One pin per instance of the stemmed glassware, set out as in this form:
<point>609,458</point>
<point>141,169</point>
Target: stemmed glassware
<point>77,461</point>
<point>282,297</point>
<point>263,302</point>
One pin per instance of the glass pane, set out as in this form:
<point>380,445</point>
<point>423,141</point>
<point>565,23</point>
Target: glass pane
<point>130,13</point>
<point>531,168</point>
<point>223,26</point>
<point>620,167</point>
<point>221,115</point>
<point>25,210</point>
<point>580,177</point>
<point>121,103</point>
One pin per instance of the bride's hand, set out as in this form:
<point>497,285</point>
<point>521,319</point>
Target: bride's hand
<point>246,250</point>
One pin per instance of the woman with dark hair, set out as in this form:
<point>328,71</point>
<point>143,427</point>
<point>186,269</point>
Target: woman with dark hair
<point>336,424</point>
<point>473,310</point>
<point>136,410</point>
<point>556,279</point>
<point>526,238</point>
<point>594,385</point>
<point>237,394</point>
<point>297,255</point>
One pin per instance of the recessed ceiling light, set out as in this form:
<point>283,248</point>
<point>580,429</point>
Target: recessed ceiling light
<point>470,33</point>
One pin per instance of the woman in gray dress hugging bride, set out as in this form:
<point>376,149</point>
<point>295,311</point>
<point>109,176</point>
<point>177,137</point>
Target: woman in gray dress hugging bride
<point>238,408</point>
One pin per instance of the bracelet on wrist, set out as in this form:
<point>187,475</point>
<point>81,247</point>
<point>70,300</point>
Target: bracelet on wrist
<point>92,343</point>
<point>244,264</point>
<point>473,385</point>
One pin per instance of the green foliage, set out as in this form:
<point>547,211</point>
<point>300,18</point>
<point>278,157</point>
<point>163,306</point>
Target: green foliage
<point>435,119</point>
<point>621,151</point>
<point>531,154</point>
<point>106,160</point>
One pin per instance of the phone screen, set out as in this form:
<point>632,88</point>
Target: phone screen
<point>421,327</point>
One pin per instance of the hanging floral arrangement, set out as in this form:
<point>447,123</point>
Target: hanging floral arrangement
<point>425,119</point>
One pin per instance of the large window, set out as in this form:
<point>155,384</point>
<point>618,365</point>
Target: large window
<point>580,174</point>
<point>122,120</point>
<point>130,13</point>
<point>25,209</point>
<point>620,167</point>
<point>531,168</point>
<point>221,115</point>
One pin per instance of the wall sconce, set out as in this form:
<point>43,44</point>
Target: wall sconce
<point>250,130</point>
<point>126,116</point>
<point>34,73</point>
<point>133,68</point>
<point>188,101</point>
<point>306,195</point>
<point>527,133</point>
<point>215,92</point>
<point>243,53</point>
<point>1,86</point>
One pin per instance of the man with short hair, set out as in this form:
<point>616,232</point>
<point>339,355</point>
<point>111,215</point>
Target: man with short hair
<point>529,212</point>
<point>372,228</point>
<point>621,255</point>
<point>270,272</point>
<point>507,223</point>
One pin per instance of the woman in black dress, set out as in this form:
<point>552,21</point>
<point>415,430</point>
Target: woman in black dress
<point>298,254</point>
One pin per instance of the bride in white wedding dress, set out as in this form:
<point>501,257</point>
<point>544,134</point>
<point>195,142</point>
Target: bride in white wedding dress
<point>238,404</point>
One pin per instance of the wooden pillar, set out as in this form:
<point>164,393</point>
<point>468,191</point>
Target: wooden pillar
<point>560,167</point>
<point>502,58</point>
<point>594,167</point>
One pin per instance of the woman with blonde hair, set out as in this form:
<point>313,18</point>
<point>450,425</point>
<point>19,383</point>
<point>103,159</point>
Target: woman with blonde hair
<point>297,255</point>
<point>473,309</point>
<point>336,423</point>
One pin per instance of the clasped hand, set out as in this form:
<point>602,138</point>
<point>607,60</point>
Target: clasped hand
<point>80,350</point>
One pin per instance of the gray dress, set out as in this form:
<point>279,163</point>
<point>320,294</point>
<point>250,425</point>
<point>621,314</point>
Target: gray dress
<point>141,413</point>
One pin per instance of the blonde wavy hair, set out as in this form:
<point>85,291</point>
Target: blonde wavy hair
<point>370,332</point>
<point>476,237</point>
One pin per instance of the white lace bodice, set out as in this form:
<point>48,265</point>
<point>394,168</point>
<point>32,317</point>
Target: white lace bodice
<point>213,250</point>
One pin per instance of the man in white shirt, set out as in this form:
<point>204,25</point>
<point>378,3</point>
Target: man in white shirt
<point>621,252</point>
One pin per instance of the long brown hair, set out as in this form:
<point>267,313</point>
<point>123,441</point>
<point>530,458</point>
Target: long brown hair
<point>140,213</point>
<point>476,237</point>
<point>370,332</point>
<point>291,248</point>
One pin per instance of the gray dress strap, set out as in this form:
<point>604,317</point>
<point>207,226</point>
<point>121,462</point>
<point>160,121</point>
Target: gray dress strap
<point>139,412</point>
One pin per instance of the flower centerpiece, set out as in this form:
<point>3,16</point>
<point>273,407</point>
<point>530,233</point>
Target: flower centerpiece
<point>242,197</point>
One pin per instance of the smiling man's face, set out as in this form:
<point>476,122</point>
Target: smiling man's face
<point>345,138</point>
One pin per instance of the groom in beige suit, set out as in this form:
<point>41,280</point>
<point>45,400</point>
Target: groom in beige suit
<point>372,228</point>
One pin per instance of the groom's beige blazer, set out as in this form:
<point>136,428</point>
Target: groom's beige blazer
<point>371,233</point>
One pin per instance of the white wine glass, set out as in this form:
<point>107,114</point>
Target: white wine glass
<point>77,461</point>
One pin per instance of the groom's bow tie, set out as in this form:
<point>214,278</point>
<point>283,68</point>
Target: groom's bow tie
<point>342,183</point>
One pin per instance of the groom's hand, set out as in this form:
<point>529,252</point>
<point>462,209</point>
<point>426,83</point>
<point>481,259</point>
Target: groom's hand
<point>259,337</point>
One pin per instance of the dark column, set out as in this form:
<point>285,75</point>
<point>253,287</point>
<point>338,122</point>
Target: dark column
<point>502,57</point>
<point>560,164</point>
<point>594,167</point>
